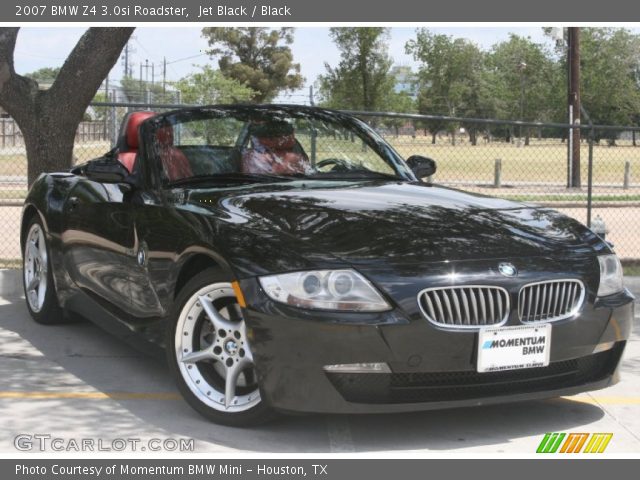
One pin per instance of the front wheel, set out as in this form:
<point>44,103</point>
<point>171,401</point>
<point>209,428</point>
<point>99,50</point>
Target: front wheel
<point>210,355</point>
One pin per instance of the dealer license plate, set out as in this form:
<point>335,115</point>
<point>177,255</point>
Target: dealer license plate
<point>512,348</point>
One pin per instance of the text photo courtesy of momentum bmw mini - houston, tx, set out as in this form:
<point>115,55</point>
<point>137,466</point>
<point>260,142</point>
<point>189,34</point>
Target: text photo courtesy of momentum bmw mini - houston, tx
<point>316,239</point>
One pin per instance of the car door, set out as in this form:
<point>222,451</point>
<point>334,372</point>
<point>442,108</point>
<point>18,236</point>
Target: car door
<point>98,240</point>
<point>160,229</point>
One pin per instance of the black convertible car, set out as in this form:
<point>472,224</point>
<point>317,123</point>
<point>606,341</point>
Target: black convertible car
<point>288,259</point>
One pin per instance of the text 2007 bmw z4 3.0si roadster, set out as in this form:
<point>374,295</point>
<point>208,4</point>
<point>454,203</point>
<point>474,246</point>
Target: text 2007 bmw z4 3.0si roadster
<point>288,259</point>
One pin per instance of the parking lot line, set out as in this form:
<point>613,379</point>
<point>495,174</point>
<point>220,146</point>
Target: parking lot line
<point>91,395</point>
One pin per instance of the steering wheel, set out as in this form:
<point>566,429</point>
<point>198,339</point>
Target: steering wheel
<point>338,164</point>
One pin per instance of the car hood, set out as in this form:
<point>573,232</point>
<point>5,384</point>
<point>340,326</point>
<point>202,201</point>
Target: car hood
<point>391,222</point>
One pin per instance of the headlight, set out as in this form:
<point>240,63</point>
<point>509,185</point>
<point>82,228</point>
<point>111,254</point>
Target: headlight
<point>610,275</point>
<point>344,290</point>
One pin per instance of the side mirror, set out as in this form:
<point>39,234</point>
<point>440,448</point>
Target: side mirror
<point>106,170</point>
<point>421,166</point>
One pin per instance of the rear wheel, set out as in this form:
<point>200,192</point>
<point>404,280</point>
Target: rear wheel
<point>39,290</point>
<point>210,354</point>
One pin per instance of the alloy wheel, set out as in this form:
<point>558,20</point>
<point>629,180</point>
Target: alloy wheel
<point>212,350</point>
<point>35,268</point>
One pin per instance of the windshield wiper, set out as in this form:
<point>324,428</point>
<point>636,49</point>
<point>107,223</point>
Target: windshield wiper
<point>229,177</point>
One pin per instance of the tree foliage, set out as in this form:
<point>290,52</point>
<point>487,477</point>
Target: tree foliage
<point>142,91</point>
<point>362,80</point>
<point>451,78</point>
<point>209,86</point>
<point>521,79</point>
<point>46,75</point>
<point>257,57</point>
<point>610,75</point>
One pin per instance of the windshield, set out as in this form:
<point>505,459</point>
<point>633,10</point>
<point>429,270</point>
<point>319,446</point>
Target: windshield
<point>254,145</point>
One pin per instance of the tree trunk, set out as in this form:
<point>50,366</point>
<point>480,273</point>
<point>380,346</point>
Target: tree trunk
<point>633,136</point>
<point>49,118</point>
<point>473,137</point>
<point>49,147</point>
<point>433,137</point>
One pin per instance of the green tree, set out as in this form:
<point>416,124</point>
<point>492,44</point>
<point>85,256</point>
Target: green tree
<point>610,59</point>
<point>97,113</point>
<point>209,86</point>
<point>362,79</point>
<point>522,75</point>
<point>143,91</point>
<point>609,77</point>
<point>450,78</point>
<point>257,57</point>
<point>398,102</point>
<point>44,76</point>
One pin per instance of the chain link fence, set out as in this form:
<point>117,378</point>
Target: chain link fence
<point>522,161</point>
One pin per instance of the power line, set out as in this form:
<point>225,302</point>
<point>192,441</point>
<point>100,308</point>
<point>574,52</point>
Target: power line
<point>187,58</point>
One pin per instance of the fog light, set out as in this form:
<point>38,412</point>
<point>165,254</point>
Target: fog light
<point>358,368</point>
<point>604,346</point>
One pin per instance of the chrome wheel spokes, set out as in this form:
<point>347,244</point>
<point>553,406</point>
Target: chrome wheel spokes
<point>213,350</point>
<point>35,268</point>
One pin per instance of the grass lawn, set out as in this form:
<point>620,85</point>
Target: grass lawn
<point>14,163</point>
<point>543,161</point>
<point>539,162</point>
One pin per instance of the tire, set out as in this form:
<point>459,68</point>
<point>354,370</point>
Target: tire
<point>203,353</point>
<point>37,277</point>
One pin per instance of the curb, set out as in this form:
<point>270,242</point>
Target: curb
<point>10,283</point>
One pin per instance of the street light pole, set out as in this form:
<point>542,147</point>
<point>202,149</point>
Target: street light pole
<point>573,62</point>
<point>521,66</point>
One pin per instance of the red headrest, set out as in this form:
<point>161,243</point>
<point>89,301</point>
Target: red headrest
<point>134,121</point>
<point>284,142</point>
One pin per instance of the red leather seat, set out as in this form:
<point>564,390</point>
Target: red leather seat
<point>130,141</point>
<point>278,154</point>
<point>176,164</point>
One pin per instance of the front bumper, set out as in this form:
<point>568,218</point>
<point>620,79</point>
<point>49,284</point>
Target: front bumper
<point>431,368</point>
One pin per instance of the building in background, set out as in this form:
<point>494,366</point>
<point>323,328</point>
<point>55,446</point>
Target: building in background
<point>406,80</point>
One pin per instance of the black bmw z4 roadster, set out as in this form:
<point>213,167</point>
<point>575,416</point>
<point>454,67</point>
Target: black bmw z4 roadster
<point>287,259</point>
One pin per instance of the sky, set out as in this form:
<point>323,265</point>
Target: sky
<point>39,47</point>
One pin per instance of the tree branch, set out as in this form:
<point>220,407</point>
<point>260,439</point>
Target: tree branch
<point>85,68</point>
<point>17,93</point>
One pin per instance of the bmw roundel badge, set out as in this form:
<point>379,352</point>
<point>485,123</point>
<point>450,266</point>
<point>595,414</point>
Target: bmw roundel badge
<point>507,269</point>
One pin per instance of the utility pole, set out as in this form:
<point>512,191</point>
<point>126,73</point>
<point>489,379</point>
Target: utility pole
<point>573,62</point>
<point>127,64</point>
<point>312,101</point>
<point>164,76</point>
<point>105,128</point>
<point>126,59</point>
<point>522,66</point>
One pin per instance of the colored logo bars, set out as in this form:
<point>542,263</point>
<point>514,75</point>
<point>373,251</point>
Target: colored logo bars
<point>574,443</point>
